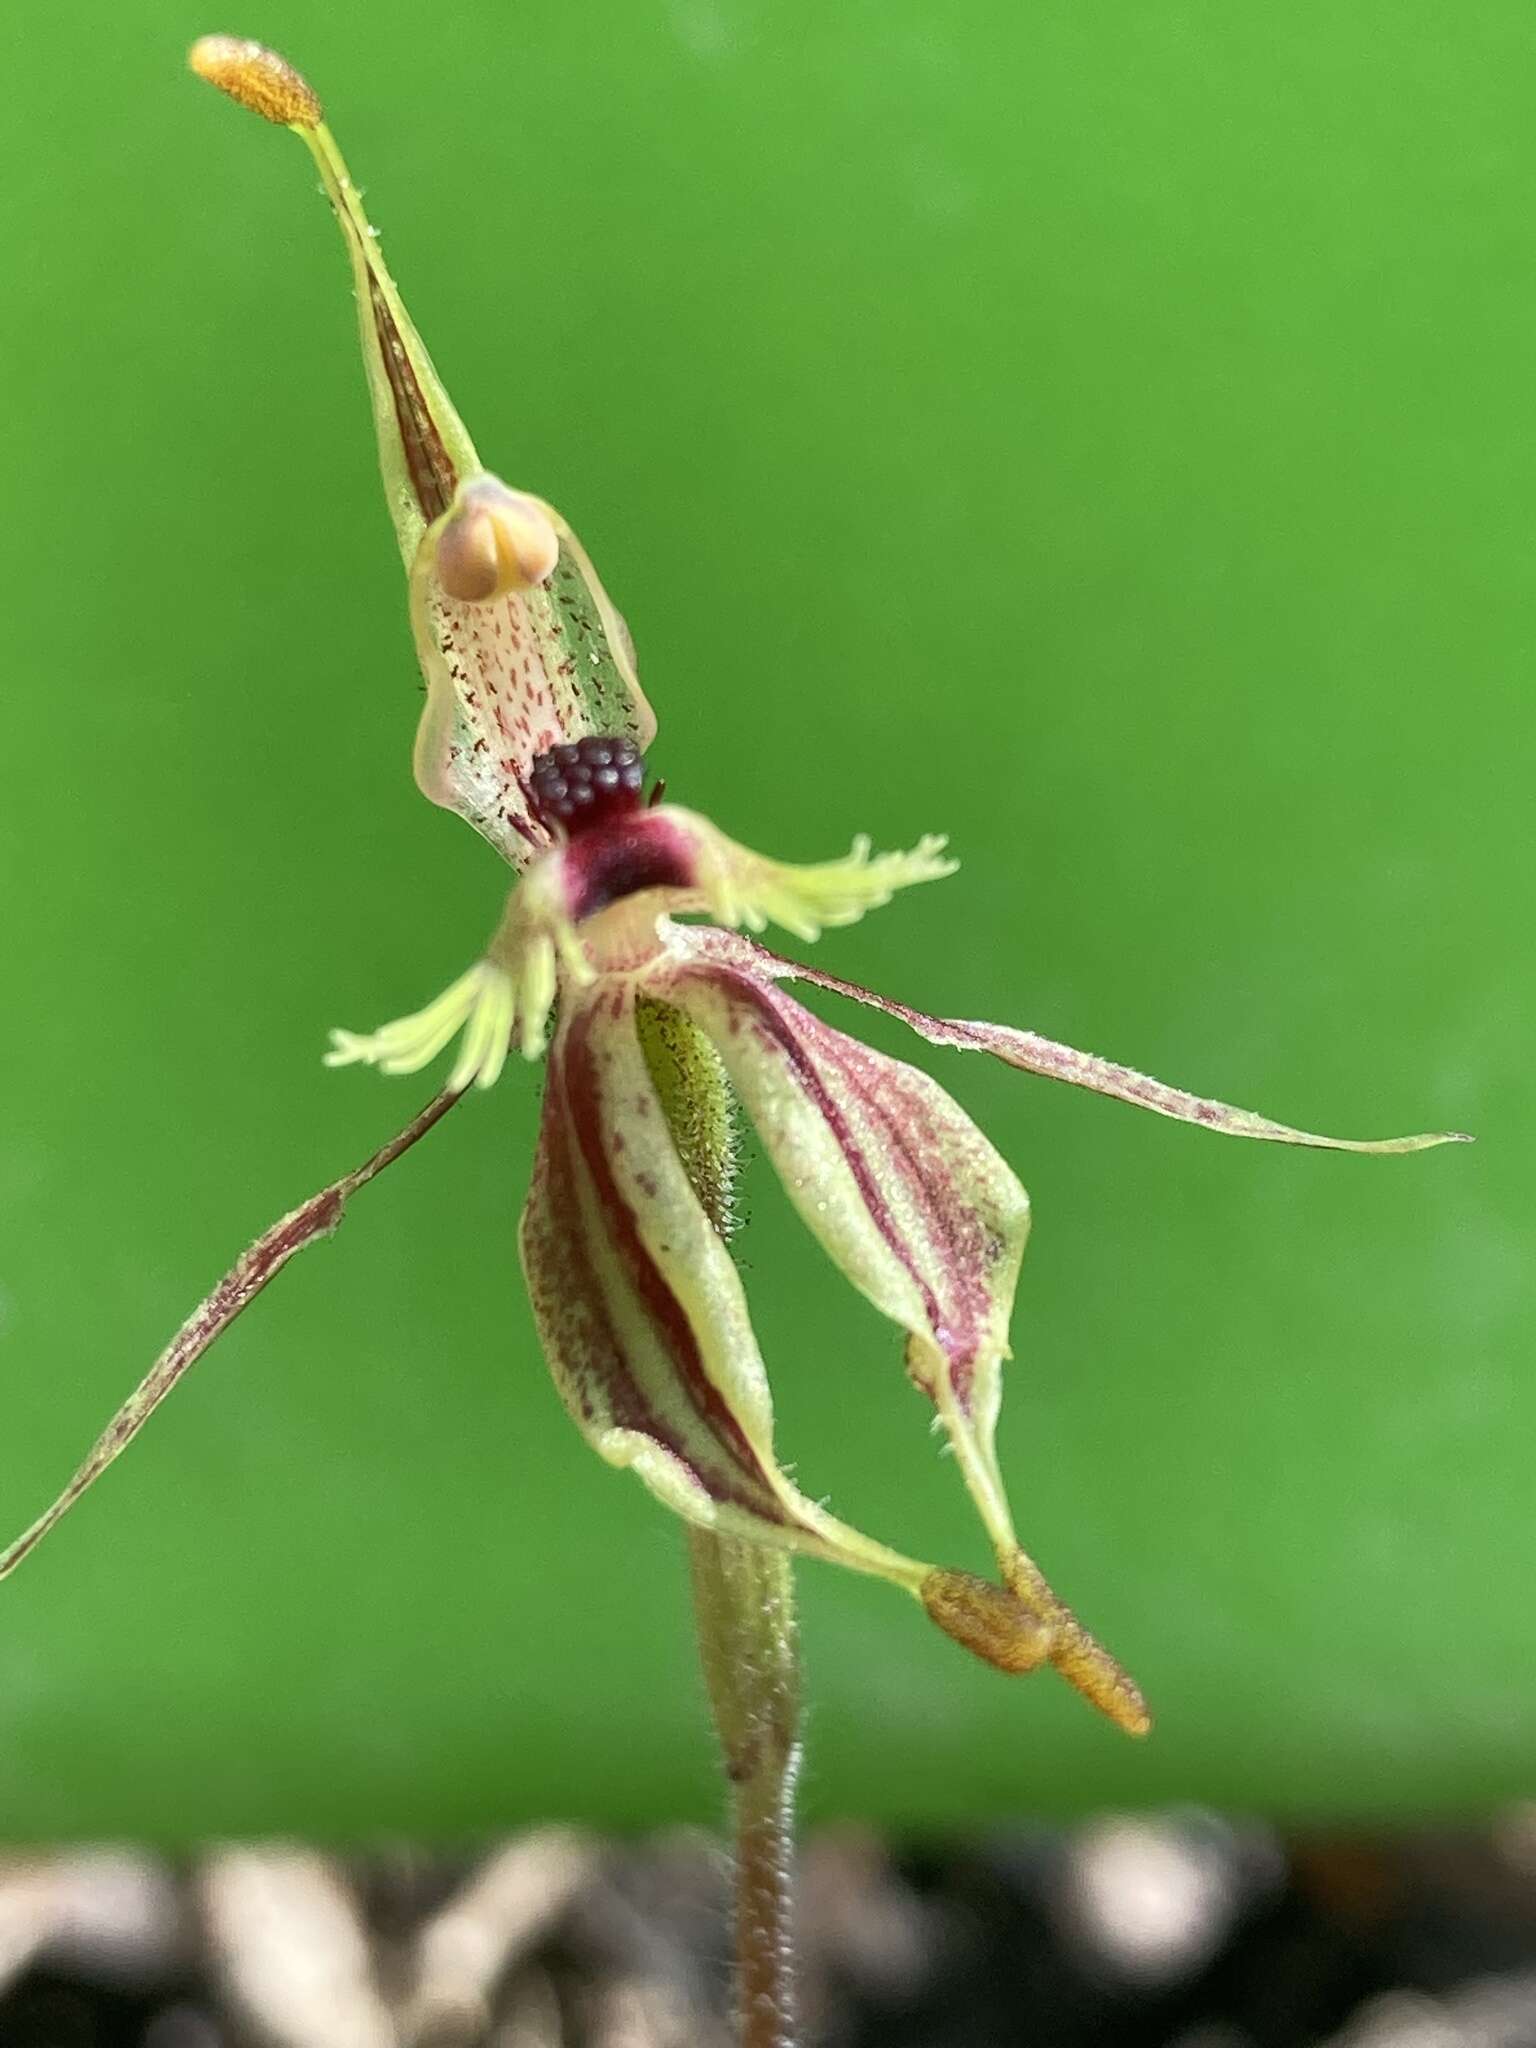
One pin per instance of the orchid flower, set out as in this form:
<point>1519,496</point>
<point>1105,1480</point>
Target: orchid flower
<point>534,730</point>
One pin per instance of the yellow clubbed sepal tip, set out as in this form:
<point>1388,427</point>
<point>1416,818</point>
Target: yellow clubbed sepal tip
<point>258,79</point>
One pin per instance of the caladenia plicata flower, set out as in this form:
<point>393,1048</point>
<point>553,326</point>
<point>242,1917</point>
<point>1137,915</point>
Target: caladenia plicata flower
<point>656,1032</point>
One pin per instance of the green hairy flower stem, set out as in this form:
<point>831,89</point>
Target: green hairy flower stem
<point>744,1604</point>
<point>743,1598</point>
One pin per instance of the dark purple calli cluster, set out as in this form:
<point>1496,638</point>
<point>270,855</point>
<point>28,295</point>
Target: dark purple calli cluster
<point>586,783</point>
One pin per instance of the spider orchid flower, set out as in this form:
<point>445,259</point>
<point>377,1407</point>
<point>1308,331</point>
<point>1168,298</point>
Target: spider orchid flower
<point>534,730</point>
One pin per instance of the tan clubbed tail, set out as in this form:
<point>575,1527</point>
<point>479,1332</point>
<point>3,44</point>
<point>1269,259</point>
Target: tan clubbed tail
<point>258,79</point>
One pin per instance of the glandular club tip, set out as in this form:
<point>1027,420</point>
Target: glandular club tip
<point>992,1623</point>
<point>258,78</point>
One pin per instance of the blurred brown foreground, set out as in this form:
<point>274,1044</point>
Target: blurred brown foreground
<point>1188,1930</point>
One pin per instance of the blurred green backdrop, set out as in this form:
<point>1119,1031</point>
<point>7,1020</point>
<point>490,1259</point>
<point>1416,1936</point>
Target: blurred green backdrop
<point>1103,431</point>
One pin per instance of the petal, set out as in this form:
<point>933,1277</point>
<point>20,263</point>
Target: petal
<point>643,1319</point>
<point>484,1005</point>
<point>740,887</point>
<point>685,863</point>
<point>520,644</point>
<point>260,1263</point>
<point>1036,1055</point>
<point>916,1208</point>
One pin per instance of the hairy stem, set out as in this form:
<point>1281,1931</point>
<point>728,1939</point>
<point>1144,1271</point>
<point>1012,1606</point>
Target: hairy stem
<point>744,1602</point>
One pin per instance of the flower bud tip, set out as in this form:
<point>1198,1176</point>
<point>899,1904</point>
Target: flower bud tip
<point>258,78</point>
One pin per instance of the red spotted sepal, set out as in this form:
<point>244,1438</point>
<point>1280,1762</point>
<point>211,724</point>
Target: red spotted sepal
<point>520,644</point>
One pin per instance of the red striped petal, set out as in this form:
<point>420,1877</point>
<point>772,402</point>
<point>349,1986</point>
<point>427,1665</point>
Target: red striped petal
<point>1036,1055</point>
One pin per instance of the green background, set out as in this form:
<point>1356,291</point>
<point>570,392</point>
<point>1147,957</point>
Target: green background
<point>1102,431</point>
